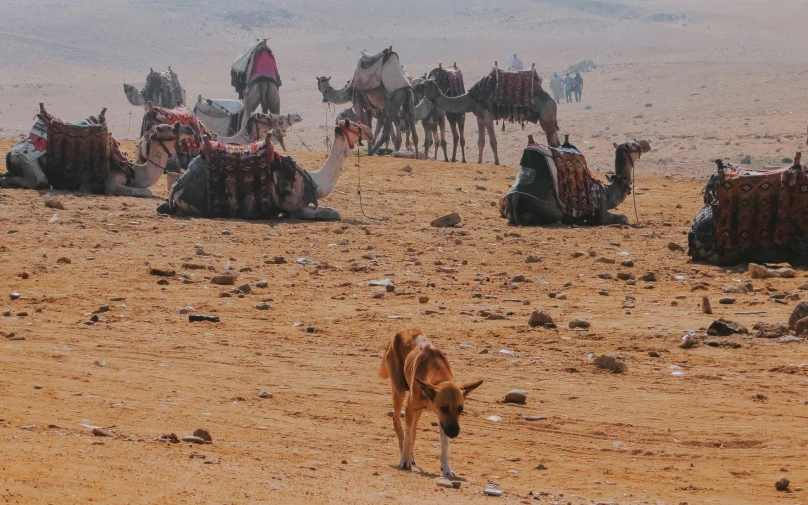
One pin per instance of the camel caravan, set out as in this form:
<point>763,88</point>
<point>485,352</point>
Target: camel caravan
<point>225,150</point>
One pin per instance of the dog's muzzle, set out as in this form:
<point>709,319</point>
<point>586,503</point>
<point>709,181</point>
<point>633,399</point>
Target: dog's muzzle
<point>452,430</point>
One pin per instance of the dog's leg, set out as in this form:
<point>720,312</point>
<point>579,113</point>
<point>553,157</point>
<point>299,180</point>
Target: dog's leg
<point>398,402</point>
<point>445,468</point>
<point>411,420</point>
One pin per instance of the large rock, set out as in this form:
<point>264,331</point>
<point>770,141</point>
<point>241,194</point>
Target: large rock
<point>447,220</point>
<point>760,272</point>
<point>607,362</point>
<point>541,318</point>
<point>725,328</point>
<point>766,330</point>
<point>800,312</point>
<point>516,396</point>
<point>801,328</point>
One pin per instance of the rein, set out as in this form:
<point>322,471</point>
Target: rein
<point>359,178</point>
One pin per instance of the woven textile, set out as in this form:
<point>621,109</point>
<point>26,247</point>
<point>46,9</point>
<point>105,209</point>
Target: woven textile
<point>761,209</point>
<point>384,68</point>
<point>252,181</point>
<point>244,71</point>
<point>76,154</point>
<point>576,185</point>
<point>449,81</point>
<point>183,115</point>
<point>509,95</point>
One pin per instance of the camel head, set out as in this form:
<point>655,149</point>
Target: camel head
<point>627,154</point>
<point>324,84</point>
<point>354,133</point>
<point>170,133</point>
<point>429,88</point>
<point>260,124</point>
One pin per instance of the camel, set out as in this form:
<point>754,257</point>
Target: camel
<point>257,80</point>
<point>481,101</point>
<point>162,89</point>
<point>122,179</point>
<point>753,217</point>
<point>368,93</point>
<point>359,111</point>
<point>432,119</point>
<point>259,125</point>
<point>536,198</point>
<point>190,194</point>
<point>450,83</point>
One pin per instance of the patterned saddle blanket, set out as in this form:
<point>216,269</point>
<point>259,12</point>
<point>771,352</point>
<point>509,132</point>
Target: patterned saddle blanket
<point>575,188</point>
<point>154,116</point>
<point>77,154</point>
<point>256,62</point>
<point>449,81</point>
<point>252,181</point>
<point>512,93</point>
<point>760,209</point>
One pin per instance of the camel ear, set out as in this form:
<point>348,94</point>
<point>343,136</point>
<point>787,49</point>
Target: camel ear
<point>328,78</point>
<point>428,389</point>
<point>177,128</point>
<point>469,387</point>
<point>614,144</point>
<point>151,70</point>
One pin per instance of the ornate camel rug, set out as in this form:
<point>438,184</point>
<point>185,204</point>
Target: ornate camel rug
<point>511,93</point>
<point>576,185</point>
<point>76,154</point>
<point>252,181</point>
<point>449,81</point>
<point>154,116</point>
<point>256,62</point>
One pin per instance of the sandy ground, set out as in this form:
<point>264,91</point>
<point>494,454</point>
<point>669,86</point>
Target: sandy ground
<point>721,433</point>
<point>726,79</point>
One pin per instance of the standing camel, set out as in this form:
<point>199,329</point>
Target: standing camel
<point>513,96</point>
<point>257,80</point>
<point>450,83</point>
<point>162,89</point>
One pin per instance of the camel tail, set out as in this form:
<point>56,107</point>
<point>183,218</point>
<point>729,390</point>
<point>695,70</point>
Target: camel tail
<point>384,371</point>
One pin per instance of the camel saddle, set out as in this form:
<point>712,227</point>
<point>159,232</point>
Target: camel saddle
<point>154,116</point>
<point>252,181</point>
<point>574,186</point>
<point>760,209</point>
<point>381,69</point>
<point>77,154</point>
<point>449,81</point>
<point>511,94</point>
<point>256,63</point>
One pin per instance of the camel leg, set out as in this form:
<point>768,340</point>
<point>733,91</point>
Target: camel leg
<point>442,126</point>
<point>480,137</point>
<point>115,185</point>
<point>427,135</point>
<point>26,175</point>
<point>461,127</point>
<point>384,137</point>
<point>492,138</point>
<point>271,102</point>
<point>398,402</point>
<point>317,214</point>
<point>252,99</point>
<point>453,126</point>
<point>414,136</point>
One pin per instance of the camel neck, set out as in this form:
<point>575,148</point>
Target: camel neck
<point>337,96</point>
<point>620,186</point>
<point>455,105</point>
<point>326,178</point>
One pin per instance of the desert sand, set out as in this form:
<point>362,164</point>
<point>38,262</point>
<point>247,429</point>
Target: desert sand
<point>702,425</point>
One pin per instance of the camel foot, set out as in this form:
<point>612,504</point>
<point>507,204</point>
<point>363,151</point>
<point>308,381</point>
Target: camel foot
<point>610,218</point>
<point>164,208</point>
<point>318,214</point>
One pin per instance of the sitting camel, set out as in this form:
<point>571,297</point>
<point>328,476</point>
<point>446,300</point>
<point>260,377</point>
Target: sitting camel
<point>286,187</point>
<point>161,88</point>
<point>753,217</point>
<point>554,185</point>
<point>120,178</point>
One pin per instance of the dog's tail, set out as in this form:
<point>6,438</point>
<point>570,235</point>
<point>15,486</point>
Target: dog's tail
<point>384,371</point>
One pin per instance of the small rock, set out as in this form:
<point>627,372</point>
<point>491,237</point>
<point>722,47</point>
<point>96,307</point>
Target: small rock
<point>449,484</point>
<point>53,203</point>
<point>766,330</point>
<point>653,354</point>
<point>262,306</point>
<point>607,261</point>
<point>578,254</point>
<point>579,323</point>
<point>423,299</point>
<point>799,312</point>
<point>103,308</point>
<point>734,289</point>
<point>705,306</point>
<point>262,284</point>
<point>605,276</point>
<point>649,277</point>
<point>535,418</point>
<point>245,288</point>
<point>790,339</point>
<point>277,260</point>
<point>162,282</point>
<point>162,272</point>
<point>64,260</point>
<point>203,434</point>
<point>264,394</point>
<point>22,313</point>
<point>14,295</point>
<point>225,294</point>
<point>627,263</point>
<point>447,220</point>
<point>725,328</point>
<point>625,276</point>
<point>407,169</point>
<point>227,232</point>
<point>516,396</point>
<point>673,246</point>
<point>727,300</point>
<point>760,272</point>
<point>801,328</point>
<point>607,362</point>
<point>224,280</point>
<point>490,491</point>
<point>532,259</point>
<point>803,286</point>
<point>689,341</point>
<point>481,187</point>
<point>186,310</point>
<point>519,278</point>
<point>98,432</point>
<point>193,440</point>
<point>540,318</point>
<point>782,484</point>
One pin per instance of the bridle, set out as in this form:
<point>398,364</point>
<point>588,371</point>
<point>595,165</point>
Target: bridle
<point>345,131</point>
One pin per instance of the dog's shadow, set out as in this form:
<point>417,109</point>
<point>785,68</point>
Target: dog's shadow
<point>428,475</point>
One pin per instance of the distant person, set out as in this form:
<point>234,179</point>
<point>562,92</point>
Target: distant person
<point>569,85</point>
<point>556,87</point>
<point>514,63</point>
<point>579,86</point>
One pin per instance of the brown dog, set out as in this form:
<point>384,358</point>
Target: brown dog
<point>410,359</point>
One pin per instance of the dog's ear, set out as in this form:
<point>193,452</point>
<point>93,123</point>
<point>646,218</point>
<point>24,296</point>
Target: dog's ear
<point>428,390</point>
<point>469,387</point>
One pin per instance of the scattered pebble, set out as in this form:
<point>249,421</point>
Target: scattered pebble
<point>535,418</point>
<point>579,323</point>
<point>607,362</point>
<point>203,434</point>
<point>727,300</point>
<point>262,306</point>
<point>449,484</point>
<point>760,272</point>
<point>264,394</point>
<point>262,284</point>
<point>799,312</point>
<point>516,396</point>
<point>193,440</point>
<point>541,318</point>
<point>532,259</point>
<point>447,220</point>
<point>673,246</point>
<point>782,484</point>
<point>725,328</point>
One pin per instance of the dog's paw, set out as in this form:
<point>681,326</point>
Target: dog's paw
<point>406,464</point>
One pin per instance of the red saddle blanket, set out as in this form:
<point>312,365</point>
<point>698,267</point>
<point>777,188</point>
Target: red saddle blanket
<point>154,116</point>
<point>762,209</point>
<point>449,81</point>
<point>576,185</point>
<point>252,181</point>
